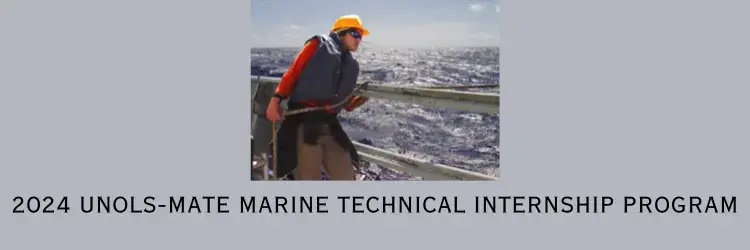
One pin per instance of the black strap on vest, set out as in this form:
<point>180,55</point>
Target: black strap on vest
<point>340,72</point>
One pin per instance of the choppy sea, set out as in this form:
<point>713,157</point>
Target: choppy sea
<point>461,139</point>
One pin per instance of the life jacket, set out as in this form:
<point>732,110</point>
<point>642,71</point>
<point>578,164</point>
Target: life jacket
<point>329,76</point>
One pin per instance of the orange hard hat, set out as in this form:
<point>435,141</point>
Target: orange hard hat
<point>350,21</point>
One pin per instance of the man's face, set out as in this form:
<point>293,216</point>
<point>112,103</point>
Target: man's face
<point>352,39</point>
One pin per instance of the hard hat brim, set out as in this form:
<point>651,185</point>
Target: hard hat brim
<point>364,31</point>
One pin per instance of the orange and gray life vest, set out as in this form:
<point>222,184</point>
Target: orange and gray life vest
<point>329,76</point>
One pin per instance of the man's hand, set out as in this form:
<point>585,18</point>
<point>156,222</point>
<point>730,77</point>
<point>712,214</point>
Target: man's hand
<point>355,102</point>
<point>274,110</point>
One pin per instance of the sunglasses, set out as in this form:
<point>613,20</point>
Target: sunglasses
<point>355,34</point>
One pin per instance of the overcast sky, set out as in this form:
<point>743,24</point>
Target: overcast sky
<point>392,23</point>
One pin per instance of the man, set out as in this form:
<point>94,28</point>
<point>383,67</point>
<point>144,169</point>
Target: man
<point>323,74</point>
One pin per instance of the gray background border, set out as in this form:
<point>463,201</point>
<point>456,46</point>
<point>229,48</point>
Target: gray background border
<point>151,98</point>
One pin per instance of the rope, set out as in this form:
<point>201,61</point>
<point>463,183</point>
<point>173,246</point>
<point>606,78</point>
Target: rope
<point>306,110</point>
<point>275,160</point>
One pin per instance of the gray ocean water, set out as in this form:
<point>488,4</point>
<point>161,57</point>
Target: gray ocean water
<point>461,139</point>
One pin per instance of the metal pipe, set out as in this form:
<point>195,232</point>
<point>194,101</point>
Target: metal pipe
<point>420,165</point>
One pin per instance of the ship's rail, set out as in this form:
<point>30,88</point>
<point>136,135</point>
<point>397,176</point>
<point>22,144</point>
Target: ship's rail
<point>441,98</point>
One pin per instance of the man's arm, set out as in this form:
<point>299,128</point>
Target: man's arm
<point>284,89</point>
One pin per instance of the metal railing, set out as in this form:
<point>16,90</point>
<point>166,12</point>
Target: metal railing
<point>441,98</point>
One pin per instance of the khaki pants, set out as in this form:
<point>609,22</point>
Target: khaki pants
<point>327,153</point>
